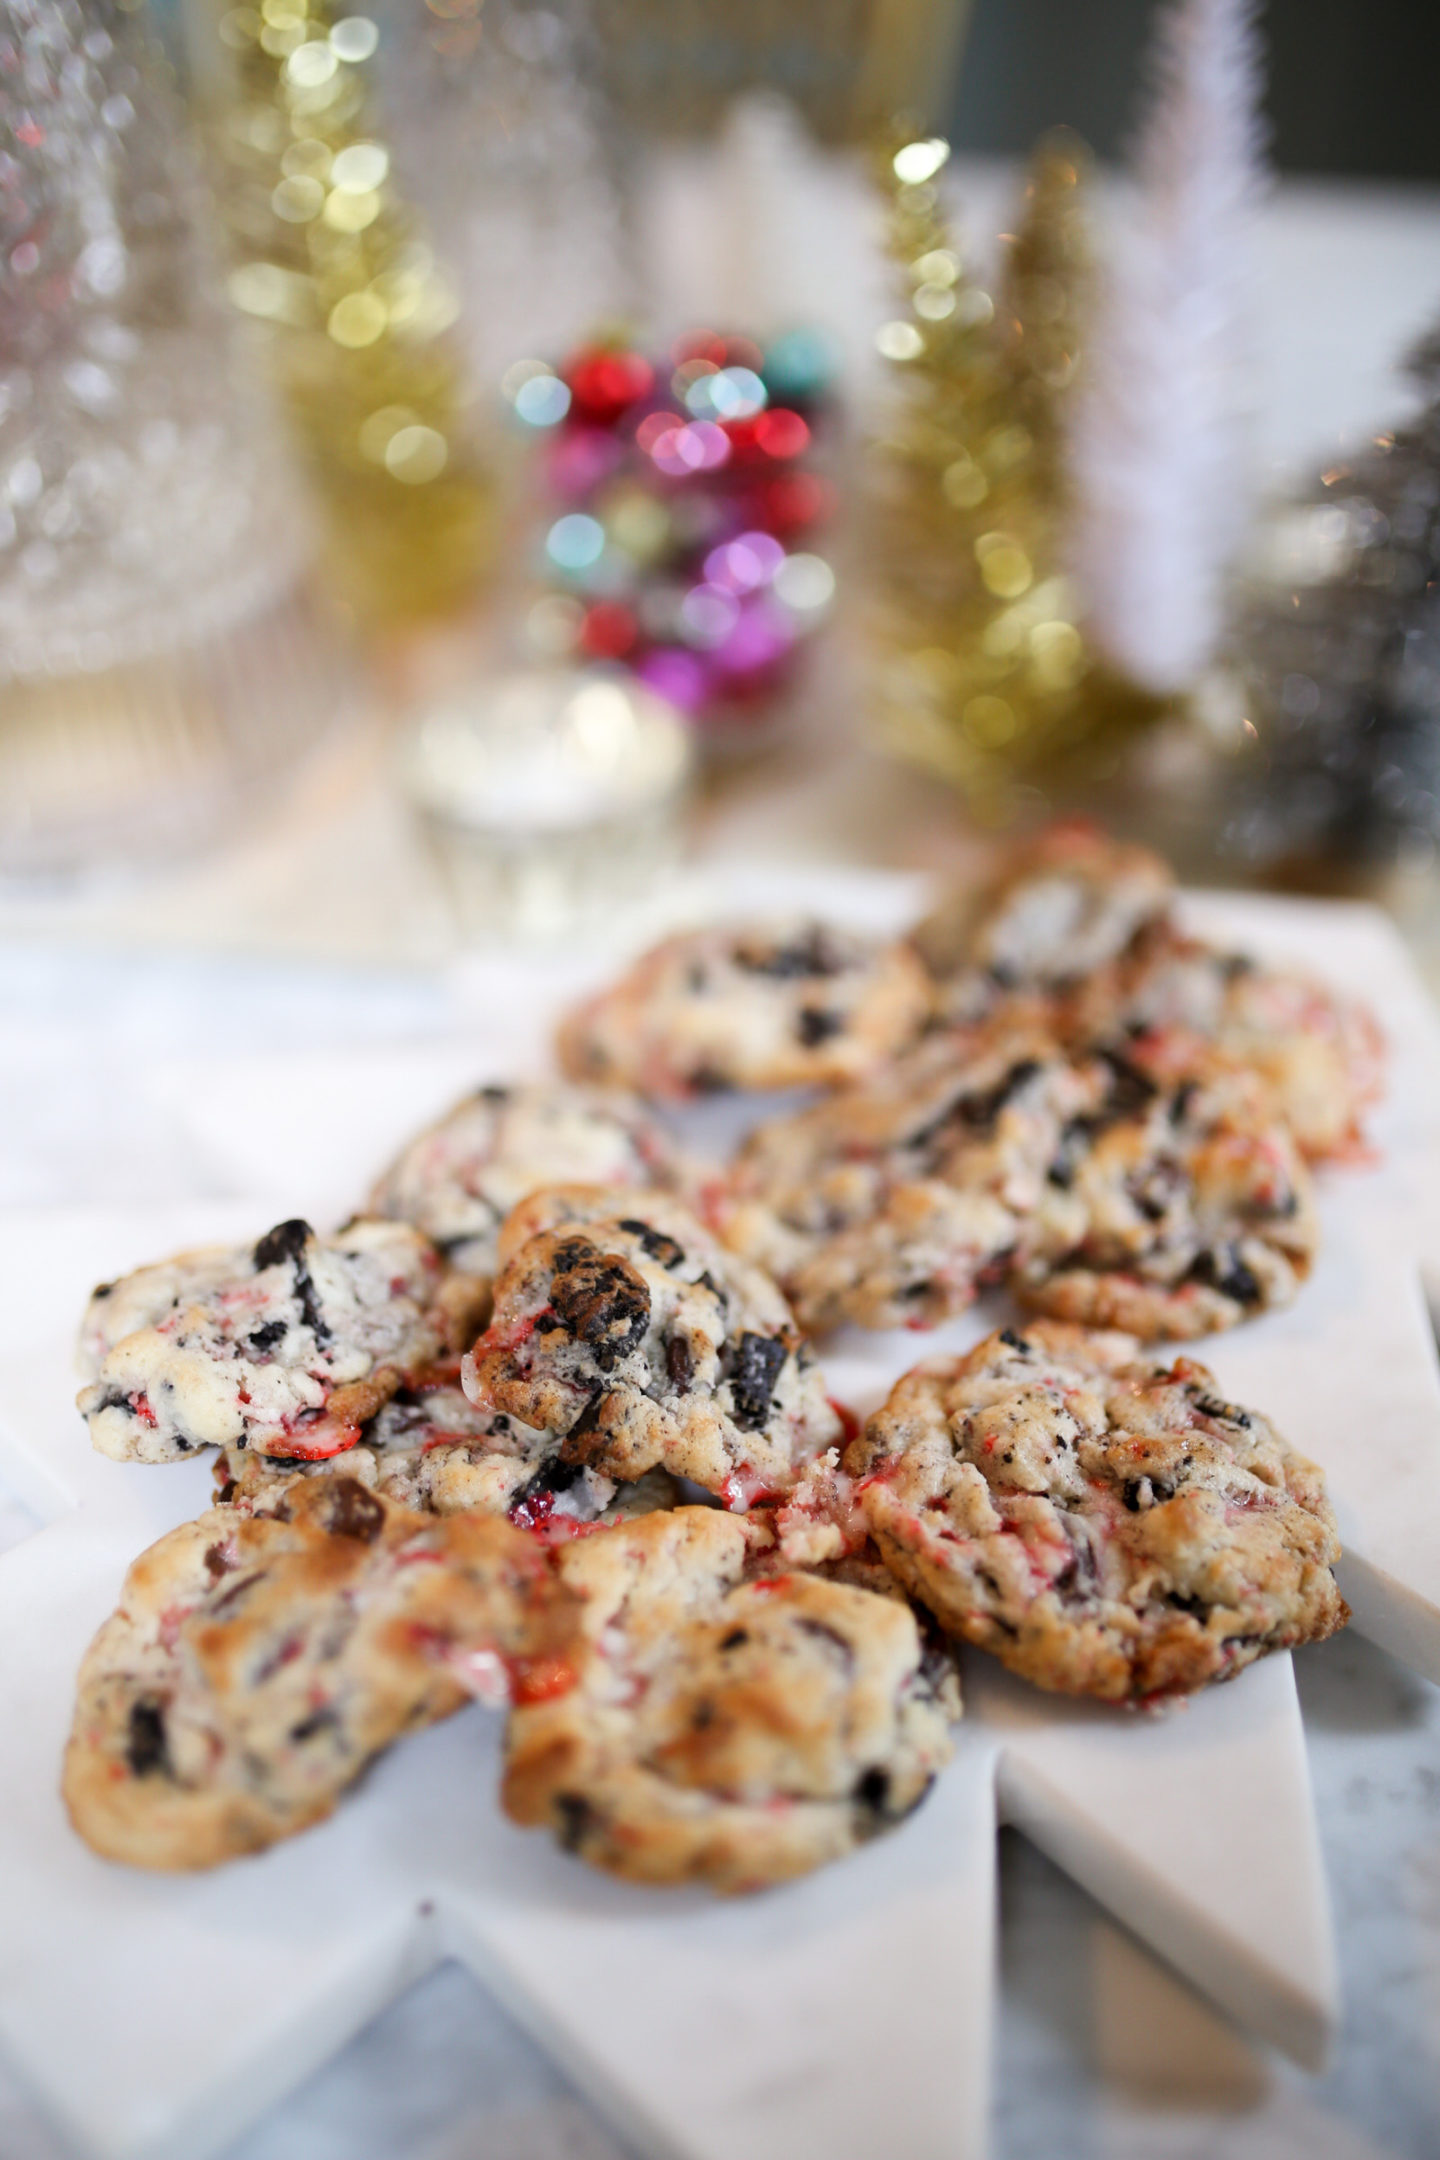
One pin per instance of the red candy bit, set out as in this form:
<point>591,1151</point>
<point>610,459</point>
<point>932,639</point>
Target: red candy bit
<point>328,1440</point>
<point>536,1680</point>
<point>534,1513</point>
<point>609,631</point>
<point>506,1339</point>
<point>602,383</point>
<point>140,1404</point>
<point>766,1584</point>
<point>744,1489</point>
<point>880,1475</point>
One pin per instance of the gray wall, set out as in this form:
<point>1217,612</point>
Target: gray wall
<point>1354,84</point>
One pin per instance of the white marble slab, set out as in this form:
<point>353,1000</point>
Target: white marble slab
<point>109,1983</point>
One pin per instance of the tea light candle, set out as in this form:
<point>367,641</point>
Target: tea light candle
<point>546,793</point>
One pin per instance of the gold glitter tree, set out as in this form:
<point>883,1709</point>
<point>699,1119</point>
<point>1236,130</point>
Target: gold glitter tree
<point>986,676</point>
<point>329,257</point>
<point>1045,298</point>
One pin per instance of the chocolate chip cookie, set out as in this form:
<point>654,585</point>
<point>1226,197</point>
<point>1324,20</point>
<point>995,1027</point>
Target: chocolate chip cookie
<point>1169,1210</point>
<point>256,1664</point>
<point>459,1179</point>
<point>627,1333</point>
<point>891,1202</point>
<point>290,1352</point>
<point>1104,1524</point>
<point>758,1005</point>
<point>725,1728</point>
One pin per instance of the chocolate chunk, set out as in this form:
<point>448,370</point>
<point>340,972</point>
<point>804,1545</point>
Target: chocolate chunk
<point>1130,1088</point>
<point>1226,1272</point>
<point>576,1449</point>
<point>287,1241</point>
<point>1194,1605</point>
<point>873,1792</point>
<point>576,1815</point>
<point>102,1289</point>
<point>554,1475</point>
<point>815,1025</point>
<point>354,1512</point>
<point>710,1080</point>
<point>654,1243</point>
<point>1145,1492</point>
<point>1227,1413</point>
<point>266,1335</point>
<point>1182,1099</point>
<point>816,953</point>
<point>226,1491</point>
<point>679,1362</point>
<point>603,1302</point>
<point>318,1721</point>
<point>758,1362</point>
<point>735,1639</point>
<point>145,1745</point>
<point>1154,1188</point>
<point>216,1563</point>
<point>976,1112</point>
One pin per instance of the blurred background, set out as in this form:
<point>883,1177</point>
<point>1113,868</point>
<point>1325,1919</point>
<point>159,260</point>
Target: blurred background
<point>453,452</point>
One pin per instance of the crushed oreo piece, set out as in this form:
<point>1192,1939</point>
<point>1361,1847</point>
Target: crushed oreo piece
<point>757,1367</point>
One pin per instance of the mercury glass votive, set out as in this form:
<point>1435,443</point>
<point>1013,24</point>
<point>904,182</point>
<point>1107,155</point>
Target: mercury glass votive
<point>550,797</point>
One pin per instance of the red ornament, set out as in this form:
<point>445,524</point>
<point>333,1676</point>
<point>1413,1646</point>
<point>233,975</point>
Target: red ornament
<point>781,434</point>
<point>602,383</point>
<point>609,631</point>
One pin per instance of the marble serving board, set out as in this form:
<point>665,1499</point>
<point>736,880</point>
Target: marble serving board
<point>156,2017</point>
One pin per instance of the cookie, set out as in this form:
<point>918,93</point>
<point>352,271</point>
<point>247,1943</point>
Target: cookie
<point>757,1005</point>
<point>291,1352</point>
<point>147,1295</point>
<point>430,1449</point>
<point>890,1203</point>
<point>257,1664</point>
<point>1061,905</point>
<point>459,1179</point>
<point>1169,1210</point>
<point>625,1331</point>
<point>725,1729</point>
<point>1175,998</point>
<point>1105,1525</point>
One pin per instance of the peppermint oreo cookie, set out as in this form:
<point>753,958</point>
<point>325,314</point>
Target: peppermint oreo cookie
<point>728,1728</point>
<point>1104,1524</point>
<point>257,1663</point>
<point>460,1178</point>
<point>624,1331</point>
<point>291,1350</point>
<point>761,1005</point>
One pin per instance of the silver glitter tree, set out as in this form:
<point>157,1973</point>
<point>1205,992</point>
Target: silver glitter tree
<point>1340,649</point>
<point>146,522</point>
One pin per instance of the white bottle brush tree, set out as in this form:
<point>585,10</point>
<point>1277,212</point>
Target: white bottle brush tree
<point>1160,439</point>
